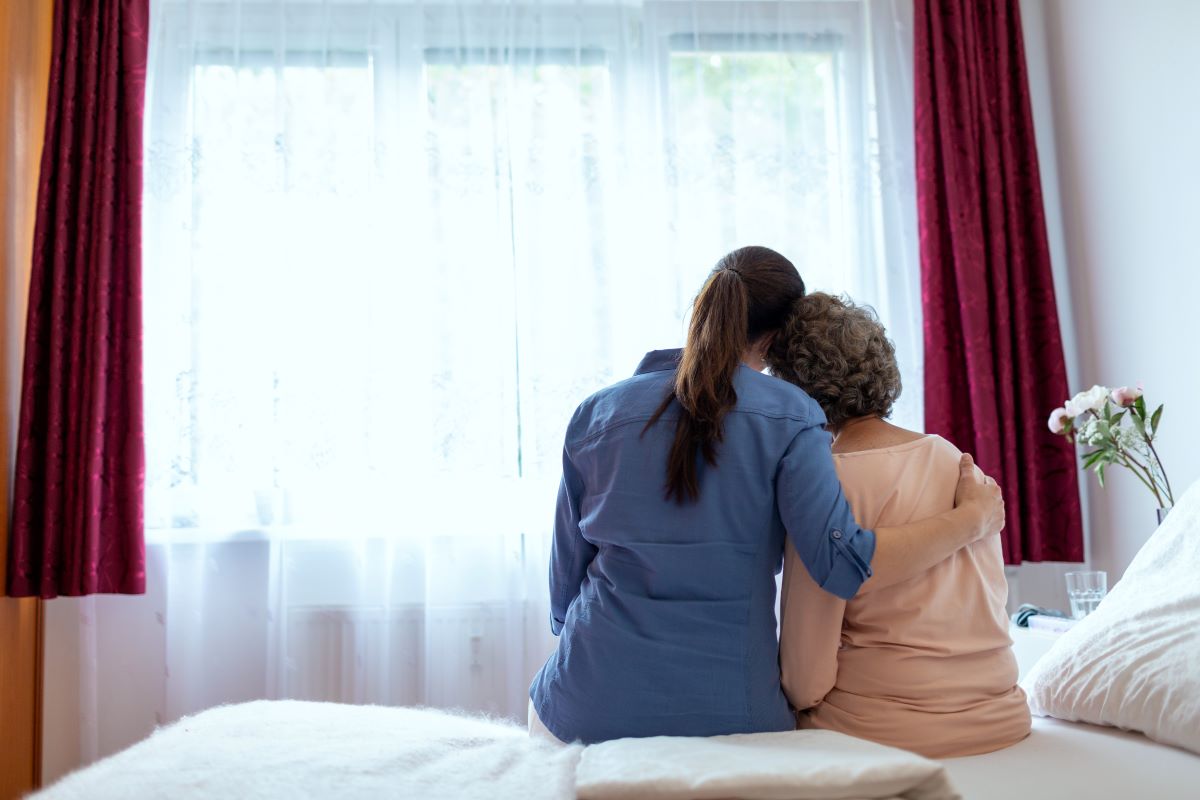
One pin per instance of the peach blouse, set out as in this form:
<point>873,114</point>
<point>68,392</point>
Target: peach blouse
<point>925,665</point>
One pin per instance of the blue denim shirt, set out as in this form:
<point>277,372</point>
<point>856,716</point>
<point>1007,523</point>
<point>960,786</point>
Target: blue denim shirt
<point>666,612</point>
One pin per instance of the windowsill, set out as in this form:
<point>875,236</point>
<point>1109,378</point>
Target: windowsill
<point>164,536</point>
<point>267,533</point>
<point>159,537</point>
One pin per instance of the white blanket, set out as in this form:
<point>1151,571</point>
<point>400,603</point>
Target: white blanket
<point>291,749</point>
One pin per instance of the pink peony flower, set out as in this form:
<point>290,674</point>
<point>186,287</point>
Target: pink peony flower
<point>1126,396</point>
<point>1059,419</point>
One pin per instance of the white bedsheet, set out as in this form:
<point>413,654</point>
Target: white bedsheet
<point>1075,760</point>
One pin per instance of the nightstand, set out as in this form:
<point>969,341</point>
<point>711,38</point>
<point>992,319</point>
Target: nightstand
<point>1030,645</point>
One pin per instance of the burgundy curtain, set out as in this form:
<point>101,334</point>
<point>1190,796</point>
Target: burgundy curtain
<point>994,364</point>
<point>77,495</point>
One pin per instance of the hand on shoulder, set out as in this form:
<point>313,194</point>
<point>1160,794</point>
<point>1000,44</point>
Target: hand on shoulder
<point>981,496</point>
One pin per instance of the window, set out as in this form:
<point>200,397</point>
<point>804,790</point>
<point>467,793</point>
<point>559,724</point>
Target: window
<point>760,120</point>
<point>390,247</point>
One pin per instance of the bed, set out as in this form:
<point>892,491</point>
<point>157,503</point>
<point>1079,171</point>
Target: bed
<point>1133,663</point>
<point>289,749</point>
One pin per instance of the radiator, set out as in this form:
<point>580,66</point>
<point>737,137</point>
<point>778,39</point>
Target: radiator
<point>473,657</point>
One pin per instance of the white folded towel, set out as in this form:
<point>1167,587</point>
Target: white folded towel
<point>795,765</point>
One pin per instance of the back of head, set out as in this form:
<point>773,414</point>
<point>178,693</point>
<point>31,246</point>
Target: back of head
<point>838,353</point>
<point>747,295</point>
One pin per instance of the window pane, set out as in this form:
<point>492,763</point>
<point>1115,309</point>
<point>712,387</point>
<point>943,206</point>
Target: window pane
<point>516,159</point>
<point>267,368</point>
<point>759,153</point>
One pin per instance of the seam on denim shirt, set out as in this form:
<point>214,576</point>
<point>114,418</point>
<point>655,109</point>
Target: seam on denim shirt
<point>745,659</point>
<point>589,437</point>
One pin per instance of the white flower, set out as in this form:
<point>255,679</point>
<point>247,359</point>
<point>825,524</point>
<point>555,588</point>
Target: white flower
<point>1129,438</point>
<point>1091,400</point>
<point>1090,433</point>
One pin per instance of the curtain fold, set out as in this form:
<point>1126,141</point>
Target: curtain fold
<point>994,364</point>
<point>77,524</point>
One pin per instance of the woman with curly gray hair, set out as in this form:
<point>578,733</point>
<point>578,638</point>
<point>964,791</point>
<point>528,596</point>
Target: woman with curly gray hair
<point>925,664</point>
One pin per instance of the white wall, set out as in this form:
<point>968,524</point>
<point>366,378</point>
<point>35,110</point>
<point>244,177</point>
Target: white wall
<point>1117,106</point>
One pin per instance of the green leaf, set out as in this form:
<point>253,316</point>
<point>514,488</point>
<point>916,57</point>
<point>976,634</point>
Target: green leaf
<point>1140,405</point>
<point>1090,459</point>
<point>1100,474</point>
<point>1154,420</point>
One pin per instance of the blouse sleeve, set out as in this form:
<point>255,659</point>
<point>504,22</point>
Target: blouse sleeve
<point>571,553</point>
<point>818,520</point>
<point>810,633</point>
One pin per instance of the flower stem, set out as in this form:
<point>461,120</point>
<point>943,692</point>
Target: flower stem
<point>1149,484</point>
<point>1130,462</point>
<point>1161,471</point>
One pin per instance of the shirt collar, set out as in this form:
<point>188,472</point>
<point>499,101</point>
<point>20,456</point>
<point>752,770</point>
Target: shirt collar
<point>659,361</point>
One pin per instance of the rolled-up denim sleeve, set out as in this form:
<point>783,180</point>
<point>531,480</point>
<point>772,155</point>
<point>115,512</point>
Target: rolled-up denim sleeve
<point>819,522</point>
<point>571,553</point>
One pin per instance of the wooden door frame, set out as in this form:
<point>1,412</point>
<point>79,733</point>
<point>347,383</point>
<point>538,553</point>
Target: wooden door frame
<point>22,623</point>
<point>25,51</point>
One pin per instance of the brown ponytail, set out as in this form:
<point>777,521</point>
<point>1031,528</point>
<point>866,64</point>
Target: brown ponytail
<point>747,295</point>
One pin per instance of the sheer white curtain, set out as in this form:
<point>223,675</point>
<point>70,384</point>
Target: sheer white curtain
<point>390,246</point>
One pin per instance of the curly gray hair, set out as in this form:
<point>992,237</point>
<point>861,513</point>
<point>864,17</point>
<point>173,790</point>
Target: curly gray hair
<point>839,354</point>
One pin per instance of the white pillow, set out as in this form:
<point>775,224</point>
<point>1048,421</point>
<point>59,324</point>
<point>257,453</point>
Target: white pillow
<point>1134,663</point>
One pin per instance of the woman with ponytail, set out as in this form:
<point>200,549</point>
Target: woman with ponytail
<point>681,487</point>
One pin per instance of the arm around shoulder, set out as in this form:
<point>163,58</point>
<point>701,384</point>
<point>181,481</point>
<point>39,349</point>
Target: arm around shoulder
<point>820,524</point>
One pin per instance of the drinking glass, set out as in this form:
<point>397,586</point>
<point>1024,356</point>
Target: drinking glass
<point>1086,590</point>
